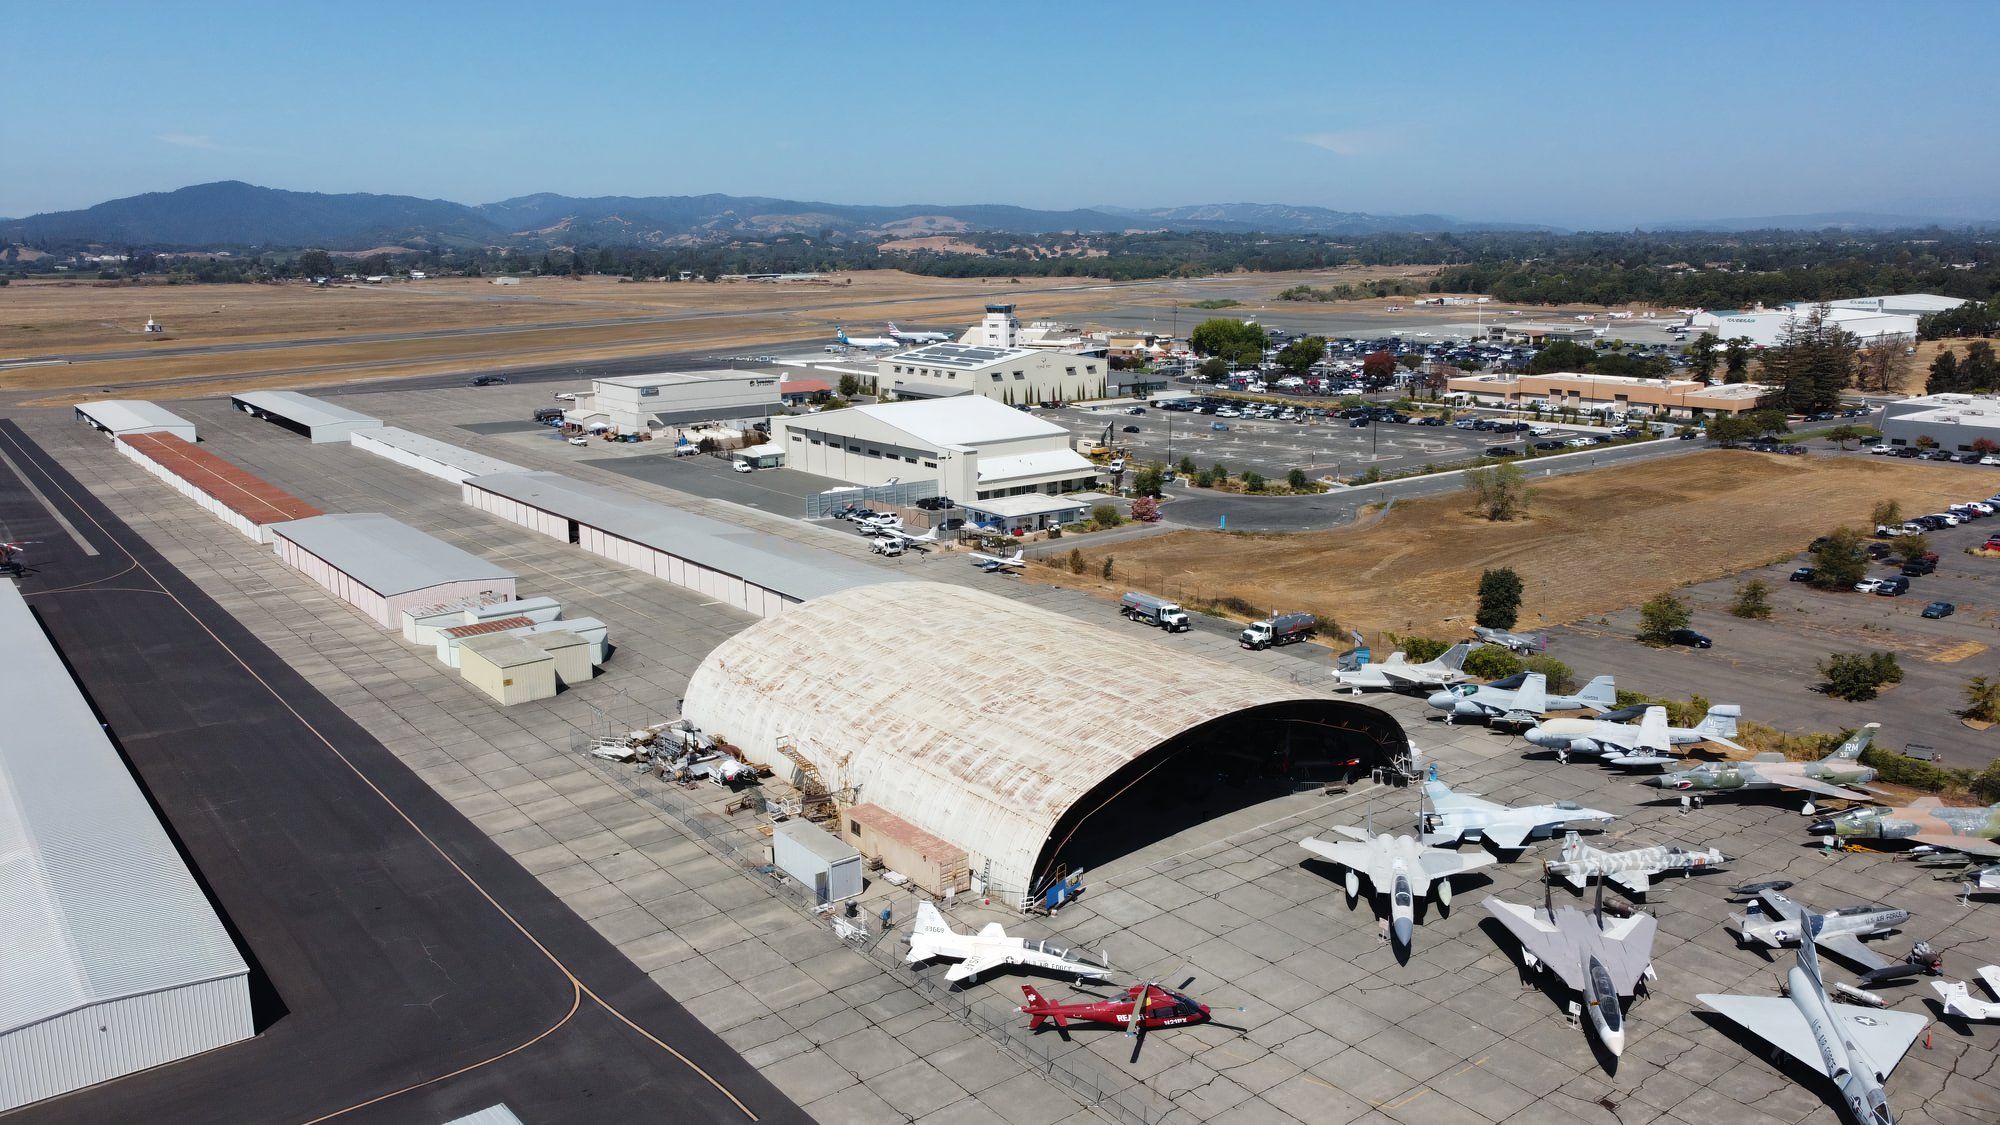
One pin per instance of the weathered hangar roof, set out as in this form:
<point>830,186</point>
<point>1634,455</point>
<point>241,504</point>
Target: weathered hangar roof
<point>973,716</point>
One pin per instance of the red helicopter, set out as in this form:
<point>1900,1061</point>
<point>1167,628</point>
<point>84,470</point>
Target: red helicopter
<point>1159,1007</point>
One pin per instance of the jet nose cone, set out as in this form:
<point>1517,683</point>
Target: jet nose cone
<point>1442,700</point>
<point>1614,1041</point>
<point>1820,828</point>
<point>1658,781</point>
<point>1403,929</point>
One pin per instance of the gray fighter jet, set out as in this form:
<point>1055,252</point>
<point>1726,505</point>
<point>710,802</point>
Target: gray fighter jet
<point>1601,958</point>
<point>1774,920</point>
<point>1831,776</point>
<point>1856,1047</point>
<point>1465,816</point>
<point>1396,866</point>
<point>1521,706</point>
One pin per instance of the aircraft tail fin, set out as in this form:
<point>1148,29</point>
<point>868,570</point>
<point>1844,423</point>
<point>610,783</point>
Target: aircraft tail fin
<point>929,920</point>
<point>1855,744</point>
<point>1653,731</point>
<point>1454,657</point>
<point>1034,1008</point>
<point>1601,693</point>
<point>1533,695</point>
<point>1720,720</point>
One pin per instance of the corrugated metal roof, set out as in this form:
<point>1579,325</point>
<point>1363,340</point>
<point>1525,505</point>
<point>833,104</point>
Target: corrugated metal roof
<point>385,554</point>
<point>132,415</point>
<point>970,715</point>
<point>445,453</point>
<point>879,820</point>
<point>304,410</point>
<point>967,420</point>
<point>95,903</point>
<point>491,1115</point>
<point>481,628</point>
<point>793,570</point>
<point>506,651</point>
<point>235,488</point>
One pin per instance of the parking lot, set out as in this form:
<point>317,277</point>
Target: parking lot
<point>1770,666</point>
<point>1322,447</point>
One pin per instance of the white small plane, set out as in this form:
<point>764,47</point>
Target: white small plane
<point>1395,866</point>
<point>868,342</point>
<point>1958,999</point>
<point>1398,674</point>
<point>993,563</point>
<point>991,948</point>
<point>909,540</point>
<point>903,337</point>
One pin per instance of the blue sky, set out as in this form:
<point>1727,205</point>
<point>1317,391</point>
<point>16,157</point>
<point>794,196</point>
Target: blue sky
<point>1598,115</point>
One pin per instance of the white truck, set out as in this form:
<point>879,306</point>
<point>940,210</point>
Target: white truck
<point>1149,610</point>
<point>1278,629</point>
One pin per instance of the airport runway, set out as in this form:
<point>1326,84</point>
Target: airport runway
<point>404,967</point>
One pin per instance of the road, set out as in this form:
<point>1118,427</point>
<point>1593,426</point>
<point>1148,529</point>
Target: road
<point>404,967</point>
<point>1198,507</point>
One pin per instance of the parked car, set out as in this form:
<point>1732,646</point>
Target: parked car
<point>488,380</point>
<point>1689,435</point>
<point>1869,585</point>
<point>1893,587</point>
<point>1937,610</point>
<point>1545,445</point>
<point>742,467</point>
<point>1502,451</point>
<point>1690,638</point>
<point>579,441</point>
<point>1131,429</point>
<point>1803,574</point>
<point>1917,568</point>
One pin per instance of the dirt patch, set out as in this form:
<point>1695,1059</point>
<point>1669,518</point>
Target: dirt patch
<point>1593,543</point>
<point>1919,373</point>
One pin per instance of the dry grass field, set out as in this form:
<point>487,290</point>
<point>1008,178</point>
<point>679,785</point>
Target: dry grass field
<point>1927,352</point>
<point>1592,543</point>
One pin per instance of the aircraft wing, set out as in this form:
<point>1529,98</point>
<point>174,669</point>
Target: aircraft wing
<point>1396,676</point>
<point>1541,938</point>
<point>1780,908</point>
<point>1061,964</point>
<point>1970,845</point>
<point>1633,881</point>
<point>974,965</point>
<point>1823,788</point>
<point>1363,857</point>
<point>1435,863</point>
<point>1444,800</point>
<point>1775,1020</point>
<point>1508,835</point>
<point>1849,946</point>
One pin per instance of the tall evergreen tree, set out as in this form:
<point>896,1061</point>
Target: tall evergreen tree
<point>1944,373</point>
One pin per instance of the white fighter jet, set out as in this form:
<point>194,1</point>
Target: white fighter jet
<point>1398,674</point>
<point>1602,958</point>
<point>991,948</point>
<point>1647,742</point>
<point>1396,866</point>
<point>1856,1047</point>
<point>1465,816</point>
<point>1958,999</point>
<point>1632,870</point>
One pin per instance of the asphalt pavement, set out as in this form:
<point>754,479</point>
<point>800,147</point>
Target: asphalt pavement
<point>404,967</point>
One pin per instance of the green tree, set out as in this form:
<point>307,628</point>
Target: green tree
<point>1107,569</point>
<point>1186,467</point>
<point>1418,650</point>
<point>1705,356</point>
<point>1076,563</point>
<point>1562,355</point>
<point>1886,513</point>
<point>1150,480</point>
<point>1910,547</point>
<point>1982,701</point>
<point>849,386</point>
<point>1499,598</point>
<point>1736,360</point>
<point>1213,368</point>
<point>1840,560</point>
<point>1499,493</point>
<point>1232,340</point>
<point>1298,356</point>
<point>1729,429</point>
<point>1753,600</point>
<point>1842,434</point>
<point>1660,616</point>
<point>1560,677</point>
<point>1980,372</point>
<point>1106,515</point>
<point>1296,480</point>
<point>1491,662</point>
<point>1858,677</point>
<point>315,263</point>
<point>1812,363</point>
<point>1944,374</point>
<point>1221,474</point>
<point>1253,482</point>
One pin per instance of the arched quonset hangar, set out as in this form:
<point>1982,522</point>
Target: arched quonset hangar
<point>1028,738</point>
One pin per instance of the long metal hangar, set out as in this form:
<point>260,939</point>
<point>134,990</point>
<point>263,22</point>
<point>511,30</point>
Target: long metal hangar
<point>111,960</point>
<point>752,571</point>
<point>322,421</point>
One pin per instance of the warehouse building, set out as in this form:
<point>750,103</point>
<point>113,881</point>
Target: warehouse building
<point>1032,741</point>
<point>322,421</point>
<point>1766,328</point>
<point>1626,393</point>
<point>229,493</point>
<point>383,566</point>
<point>1901,304</point>
<point>111,957</point>
<point>1015,376</point>
<point>973,447</point>
<point>1956,422</point>
<point>121,416</point>
<point>429,456</point>
<point>674,401</point>
<point>752,571</point>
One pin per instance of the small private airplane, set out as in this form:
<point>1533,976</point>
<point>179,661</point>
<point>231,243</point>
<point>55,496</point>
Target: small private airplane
<point>870,343</point>
<point>903,337</point>
<point>991,948</point>
<point>993,564</point>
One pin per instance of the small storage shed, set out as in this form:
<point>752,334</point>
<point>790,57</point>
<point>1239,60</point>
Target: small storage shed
<point>448,641</point>
<point>932,862</point>
<point>508,668</point>
<point>571,653</point>
<point>813,856</point>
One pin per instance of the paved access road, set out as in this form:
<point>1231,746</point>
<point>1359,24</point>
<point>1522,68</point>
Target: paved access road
<point>404,967</point>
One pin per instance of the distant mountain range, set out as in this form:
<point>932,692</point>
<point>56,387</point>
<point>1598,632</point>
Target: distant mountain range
<point>233,213</point>
<point>1823,220</point>
<point>236,214</point>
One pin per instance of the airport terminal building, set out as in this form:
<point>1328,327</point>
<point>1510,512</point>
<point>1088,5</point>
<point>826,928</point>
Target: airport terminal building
<point>973,447</point>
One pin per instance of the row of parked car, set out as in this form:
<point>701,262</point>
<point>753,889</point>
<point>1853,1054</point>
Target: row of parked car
<point>1966,458</point>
